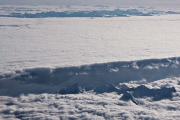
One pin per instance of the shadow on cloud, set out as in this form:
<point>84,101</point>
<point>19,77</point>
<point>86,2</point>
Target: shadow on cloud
<point>47,80</point>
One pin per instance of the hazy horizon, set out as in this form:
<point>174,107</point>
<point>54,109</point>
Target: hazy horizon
<point>153,3</point>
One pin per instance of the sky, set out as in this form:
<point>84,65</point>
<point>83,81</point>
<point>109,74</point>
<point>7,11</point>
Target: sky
<point>171,3</point>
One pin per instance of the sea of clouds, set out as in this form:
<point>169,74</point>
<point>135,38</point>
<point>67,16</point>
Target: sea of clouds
<point>41,56</point>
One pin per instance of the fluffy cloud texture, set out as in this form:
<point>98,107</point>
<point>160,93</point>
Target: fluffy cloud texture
<point>90,106</point>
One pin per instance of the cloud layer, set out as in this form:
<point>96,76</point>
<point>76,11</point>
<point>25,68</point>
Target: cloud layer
<point>90,106</point>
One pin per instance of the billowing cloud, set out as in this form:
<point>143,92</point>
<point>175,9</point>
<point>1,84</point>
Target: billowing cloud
<point>89,106</point>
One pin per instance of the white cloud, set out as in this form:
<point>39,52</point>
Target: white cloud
<point>91,106</point>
